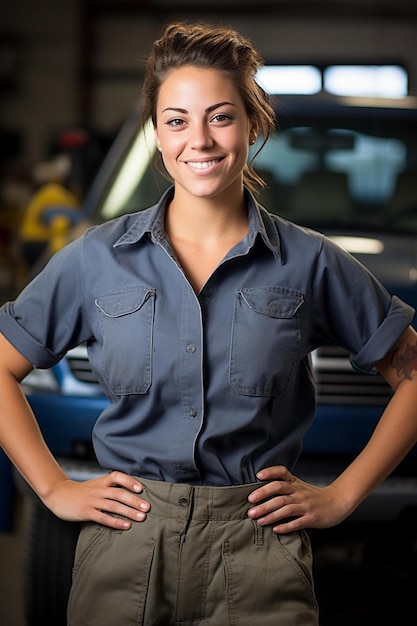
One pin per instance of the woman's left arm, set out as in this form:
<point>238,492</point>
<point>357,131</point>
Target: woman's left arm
<point>290,504</point>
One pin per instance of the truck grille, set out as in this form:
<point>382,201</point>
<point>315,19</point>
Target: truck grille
<point>79,365</point>
<point>338,383</point>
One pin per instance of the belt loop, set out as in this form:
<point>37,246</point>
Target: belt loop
<point>259,534</point>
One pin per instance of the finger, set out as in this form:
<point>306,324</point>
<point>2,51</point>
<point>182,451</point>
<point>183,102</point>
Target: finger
<point>118,523</point>
<point>127,498</point>
<point>283,515</point>
<point>113,509</point>
<point>266,508</point>
<point>116,478</point>
<point>274,472</point>
<point>292,525</point>
<point>274,488</point>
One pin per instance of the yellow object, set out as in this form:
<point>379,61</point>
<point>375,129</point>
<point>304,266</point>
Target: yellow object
<point>51,197</point>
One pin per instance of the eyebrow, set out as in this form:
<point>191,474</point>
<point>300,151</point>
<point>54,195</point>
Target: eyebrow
<point>209,109</point>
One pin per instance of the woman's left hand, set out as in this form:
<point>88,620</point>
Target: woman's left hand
<point>290,504</point>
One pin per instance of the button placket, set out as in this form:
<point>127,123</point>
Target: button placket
<point>191,380</point>
<point>191,349</point>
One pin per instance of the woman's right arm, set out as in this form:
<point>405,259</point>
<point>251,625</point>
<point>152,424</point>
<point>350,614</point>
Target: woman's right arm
<point>99,499</point>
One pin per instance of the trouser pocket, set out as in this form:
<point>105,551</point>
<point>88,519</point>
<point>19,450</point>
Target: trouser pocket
<point>269,581</point>
<point>110,578</point>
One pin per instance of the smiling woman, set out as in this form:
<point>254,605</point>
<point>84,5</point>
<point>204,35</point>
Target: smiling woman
<point>204,146</point>
<point>204,132</point>
<point>200,314</point>
<point>211,52</point>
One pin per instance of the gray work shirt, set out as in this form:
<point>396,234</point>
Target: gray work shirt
<point>206,388</point>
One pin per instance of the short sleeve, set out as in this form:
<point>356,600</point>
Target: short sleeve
<point>354,309</point>
<point>392,327</point>
<point>48,316</point>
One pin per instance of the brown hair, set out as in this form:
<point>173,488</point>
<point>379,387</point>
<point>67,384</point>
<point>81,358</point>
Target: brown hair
<point>214,47</point>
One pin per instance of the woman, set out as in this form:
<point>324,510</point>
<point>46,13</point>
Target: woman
<point>200,314</point>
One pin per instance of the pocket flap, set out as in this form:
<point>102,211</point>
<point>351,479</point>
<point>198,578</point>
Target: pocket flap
<point>275,302</point>
<point>124,302</point>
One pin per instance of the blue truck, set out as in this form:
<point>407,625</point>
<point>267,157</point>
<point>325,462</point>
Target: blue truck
<point>344,166</point>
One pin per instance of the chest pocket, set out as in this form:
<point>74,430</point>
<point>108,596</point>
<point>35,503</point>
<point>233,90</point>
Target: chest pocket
<point>265,340</point>
<point>126,320</point>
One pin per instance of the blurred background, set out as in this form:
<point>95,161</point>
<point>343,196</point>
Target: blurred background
<point>76,66</point>
<point>70,75</point>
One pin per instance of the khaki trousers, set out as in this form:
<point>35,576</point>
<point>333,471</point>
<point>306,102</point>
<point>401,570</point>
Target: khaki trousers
<point>197,559</point>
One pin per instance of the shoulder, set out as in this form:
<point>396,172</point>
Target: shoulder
<point>309,248</point>
<point>292,235</point>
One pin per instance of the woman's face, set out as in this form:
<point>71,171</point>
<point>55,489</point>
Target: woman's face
<point>203,131</point>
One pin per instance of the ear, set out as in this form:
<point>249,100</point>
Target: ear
<point>252,137</point>
<point>253,133</point>
<point>158,143</point>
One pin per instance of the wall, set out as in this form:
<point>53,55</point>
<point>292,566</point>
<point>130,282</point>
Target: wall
<point>48,94</point>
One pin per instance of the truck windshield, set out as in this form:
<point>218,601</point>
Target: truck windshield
<point>349,167</point>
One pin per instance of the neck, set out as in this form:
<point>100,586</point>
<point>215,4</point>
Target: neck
<point>218,218</point>
<point>202,231</point>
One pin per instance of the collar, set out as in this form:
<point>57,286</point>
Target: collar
<point>151,221</point>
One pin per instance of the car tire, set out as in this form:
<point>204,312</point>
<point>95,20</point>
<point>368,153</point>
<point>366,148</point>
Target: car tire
<point>49,554</point>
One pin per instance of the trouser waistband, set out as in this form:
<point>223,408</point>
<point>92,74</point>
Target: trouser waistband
<point>179,501</point>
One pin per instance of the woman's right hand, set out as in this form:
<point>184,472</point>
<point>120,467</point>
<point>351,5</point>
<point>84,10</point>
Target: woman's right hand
<point>99,500</point>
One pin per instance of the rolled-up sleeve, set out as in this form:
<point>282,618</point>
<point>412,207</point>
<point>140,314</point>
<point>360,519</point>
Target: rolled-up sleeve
<point>46,318</point>
<point>354,310</point>
<point>397,320</point>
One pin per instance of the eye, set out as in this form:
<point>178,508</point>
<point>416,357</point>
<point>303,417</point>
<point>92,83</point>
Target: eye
<point>175,122</point>
<point>221,118</point>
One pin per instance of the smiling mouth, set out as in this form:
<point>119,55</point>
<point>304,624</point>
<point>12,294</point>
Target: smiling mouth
<point>202,165</point>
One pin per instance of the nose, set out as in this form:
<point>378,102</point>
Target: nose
<point>200,136</point>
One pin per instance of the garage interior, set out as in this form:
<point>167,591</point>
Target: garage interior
<point>79,64</point>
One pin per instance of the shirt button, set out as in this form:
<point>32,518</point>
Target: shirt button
<point>183,502</point>
<point>192,412</point>
<point>191,348</point>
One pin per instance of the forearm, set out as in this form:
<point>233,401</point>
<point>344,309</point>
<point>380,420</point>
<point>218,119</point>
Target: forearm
<point>394,436</point>
<point>108,499</point>
<point>22,441</point>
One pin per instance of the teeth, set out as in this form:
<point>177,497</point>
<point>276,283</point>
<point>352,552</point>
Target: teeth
<point>202,165</point>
